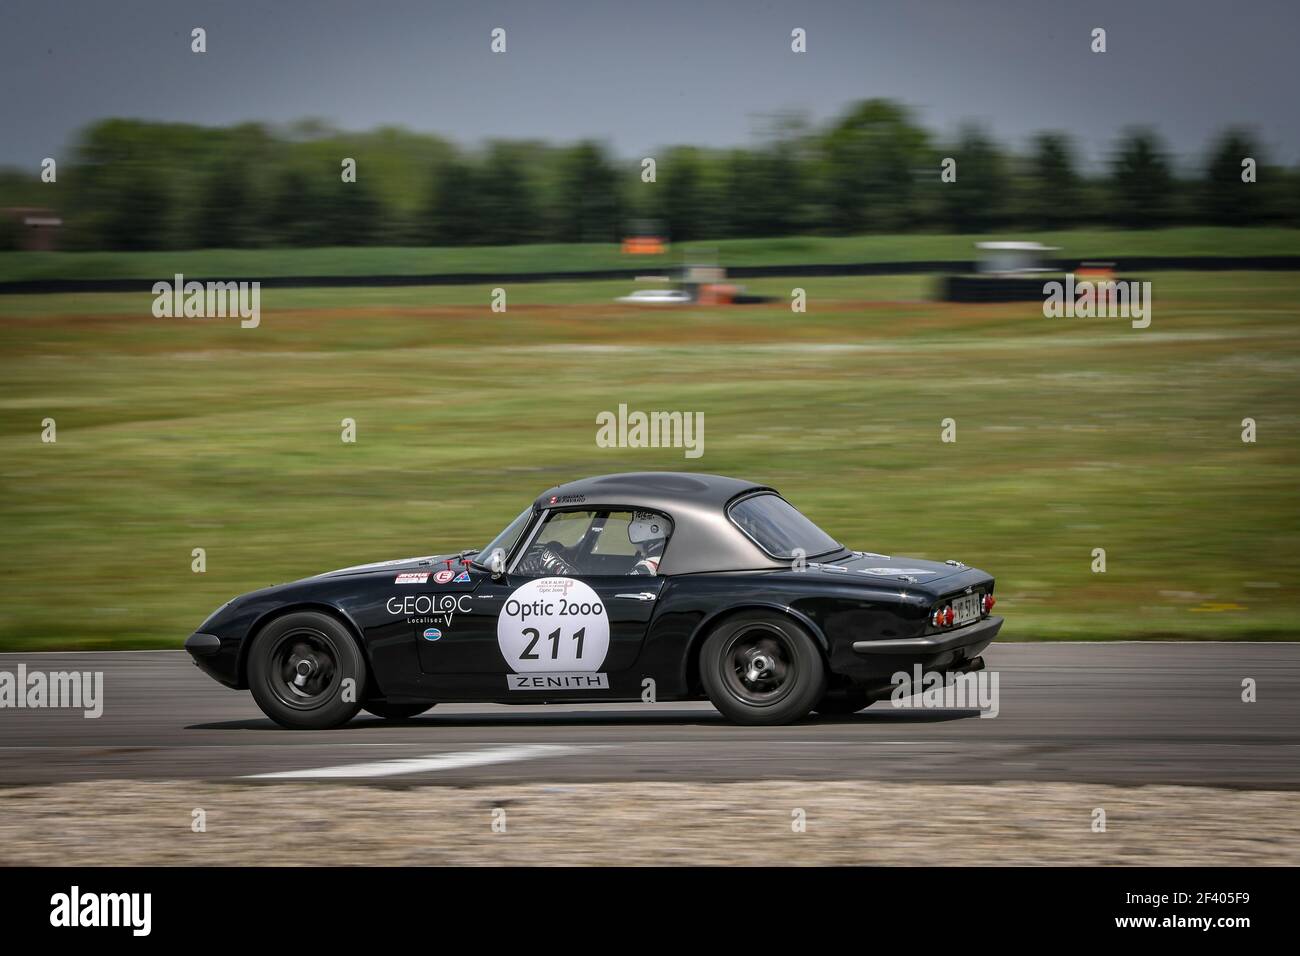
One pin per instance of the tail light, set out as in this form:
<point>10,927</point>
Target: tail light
<point>946,617</point>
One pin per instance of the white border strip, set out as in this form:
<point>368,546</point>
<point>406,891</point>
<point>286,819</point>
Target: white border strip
<point>430,764</point>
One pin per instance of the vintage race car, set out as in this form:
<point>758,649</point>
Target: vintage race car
<point>631,587</point>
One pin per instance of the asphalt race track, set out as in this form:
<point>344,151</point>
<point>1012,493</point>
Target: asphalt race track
<point>1122,713</point>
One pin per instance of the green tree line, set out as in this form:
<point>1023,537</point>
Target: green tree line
<point>130,184</point>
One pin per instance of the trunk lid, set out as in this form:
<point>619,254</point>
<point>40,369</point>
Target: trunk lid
<point>889,569</point>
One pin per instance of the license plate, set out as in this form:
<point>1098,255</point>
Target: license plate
<point>966,608</point>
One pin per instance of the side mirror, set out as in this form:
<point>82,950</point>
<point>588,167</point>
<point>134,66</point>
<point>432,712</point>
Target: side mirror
<point>497,562</point>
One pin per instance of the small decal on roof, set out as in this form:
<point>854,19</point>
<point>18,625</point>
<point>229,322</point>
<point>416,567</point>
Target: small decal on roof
<point>412,577</point>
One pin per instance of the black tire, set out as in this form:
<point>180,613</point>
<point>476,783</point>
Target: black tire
<point>747,692</point>
<point>322,647</point>
<point>839,702</point>
<point>381,708</point>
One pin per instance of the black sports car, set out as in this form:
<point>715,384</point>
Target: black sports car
<point>648,586</point>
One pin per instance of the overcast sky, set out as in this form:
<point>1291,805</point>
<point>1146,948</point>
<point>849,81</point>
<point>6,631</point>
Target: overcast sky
<point>654,72</point>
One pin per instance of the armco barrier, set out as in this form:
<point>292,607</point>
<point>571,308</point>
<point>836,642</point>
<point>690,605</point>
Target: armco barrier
<point>1129,264</point>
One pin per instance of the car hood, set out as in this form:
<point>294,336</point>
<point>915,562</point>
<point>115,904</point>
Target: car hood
<point>398,564</point>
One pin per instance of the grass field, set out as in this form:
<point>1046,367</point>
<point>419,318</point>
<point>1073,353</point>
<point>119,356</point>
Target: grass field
<point>264,263</point>
<point>1072,434</point>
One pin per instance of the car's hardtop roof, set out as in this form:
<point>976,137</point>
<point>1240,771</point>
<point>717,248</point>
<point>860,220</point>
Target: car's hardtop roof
<point>703,539</point>
<point>653,490</point>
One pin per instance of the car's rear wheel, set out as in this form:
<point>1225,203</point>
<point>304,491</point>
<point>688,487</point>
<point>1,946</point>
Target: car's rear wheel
<point>846,701</point>
<point>762,668</point>
<point>306,671</point>
<point>381,708</point>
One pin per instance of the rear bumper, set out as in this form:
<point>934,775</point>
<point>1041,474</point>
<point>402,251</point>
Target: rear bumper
<point>875,665</point>
<point>972,639</point>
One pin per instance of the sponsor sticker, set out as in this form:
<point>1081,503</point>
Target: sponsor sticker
<point>436,609</point>
<point>432,633</point>
<point>461,578</point>
<point>412,577</point>
<point>443,576</point>
<point>553,625</point>
<point>558,681</point>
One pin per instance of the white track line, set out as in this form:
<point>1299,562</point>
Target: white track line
<point>448,761</point>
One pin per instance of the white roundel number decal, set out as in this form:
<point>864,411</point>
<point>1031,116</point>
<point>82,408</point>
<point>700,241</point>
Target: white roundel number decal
<point>553,624</point>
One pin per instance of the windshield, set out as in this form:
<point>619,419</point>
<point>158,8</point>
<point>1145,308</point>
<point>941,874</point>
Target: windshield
<point>779,529</point>
<point>505,540</point>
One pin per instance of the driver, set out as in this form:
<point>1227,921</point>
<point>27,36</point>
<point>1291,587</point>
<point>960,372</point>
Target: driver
<point>552,561</point>
<point>649,532</point>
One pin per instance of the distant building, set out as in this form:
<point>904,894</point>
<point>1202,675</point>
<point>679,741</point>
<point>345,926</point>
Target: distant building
<point>38,227</point>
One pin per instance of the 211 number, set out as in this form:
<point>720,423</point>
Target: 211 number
<point>554,638</point>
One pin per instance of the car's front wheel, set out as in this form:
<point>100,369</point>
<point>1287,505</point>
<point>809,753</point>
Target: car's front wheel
<point>762,668</point>
<point>306,672</point>
<point>382,708</point>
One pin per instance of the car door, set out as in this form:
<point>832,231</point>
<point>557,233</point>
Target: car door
<point>534,630</point>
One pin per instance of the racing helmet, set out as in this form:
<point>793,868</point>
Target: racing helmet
<point>646,527</point>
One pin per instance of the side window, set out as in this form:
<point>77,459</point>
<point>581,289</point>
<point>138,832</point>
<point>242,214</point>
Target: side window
<point>613,537</point>
<point>598,543</point>
<point>630,542</point>
<point>555,551</point>
<point>566,528</point>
